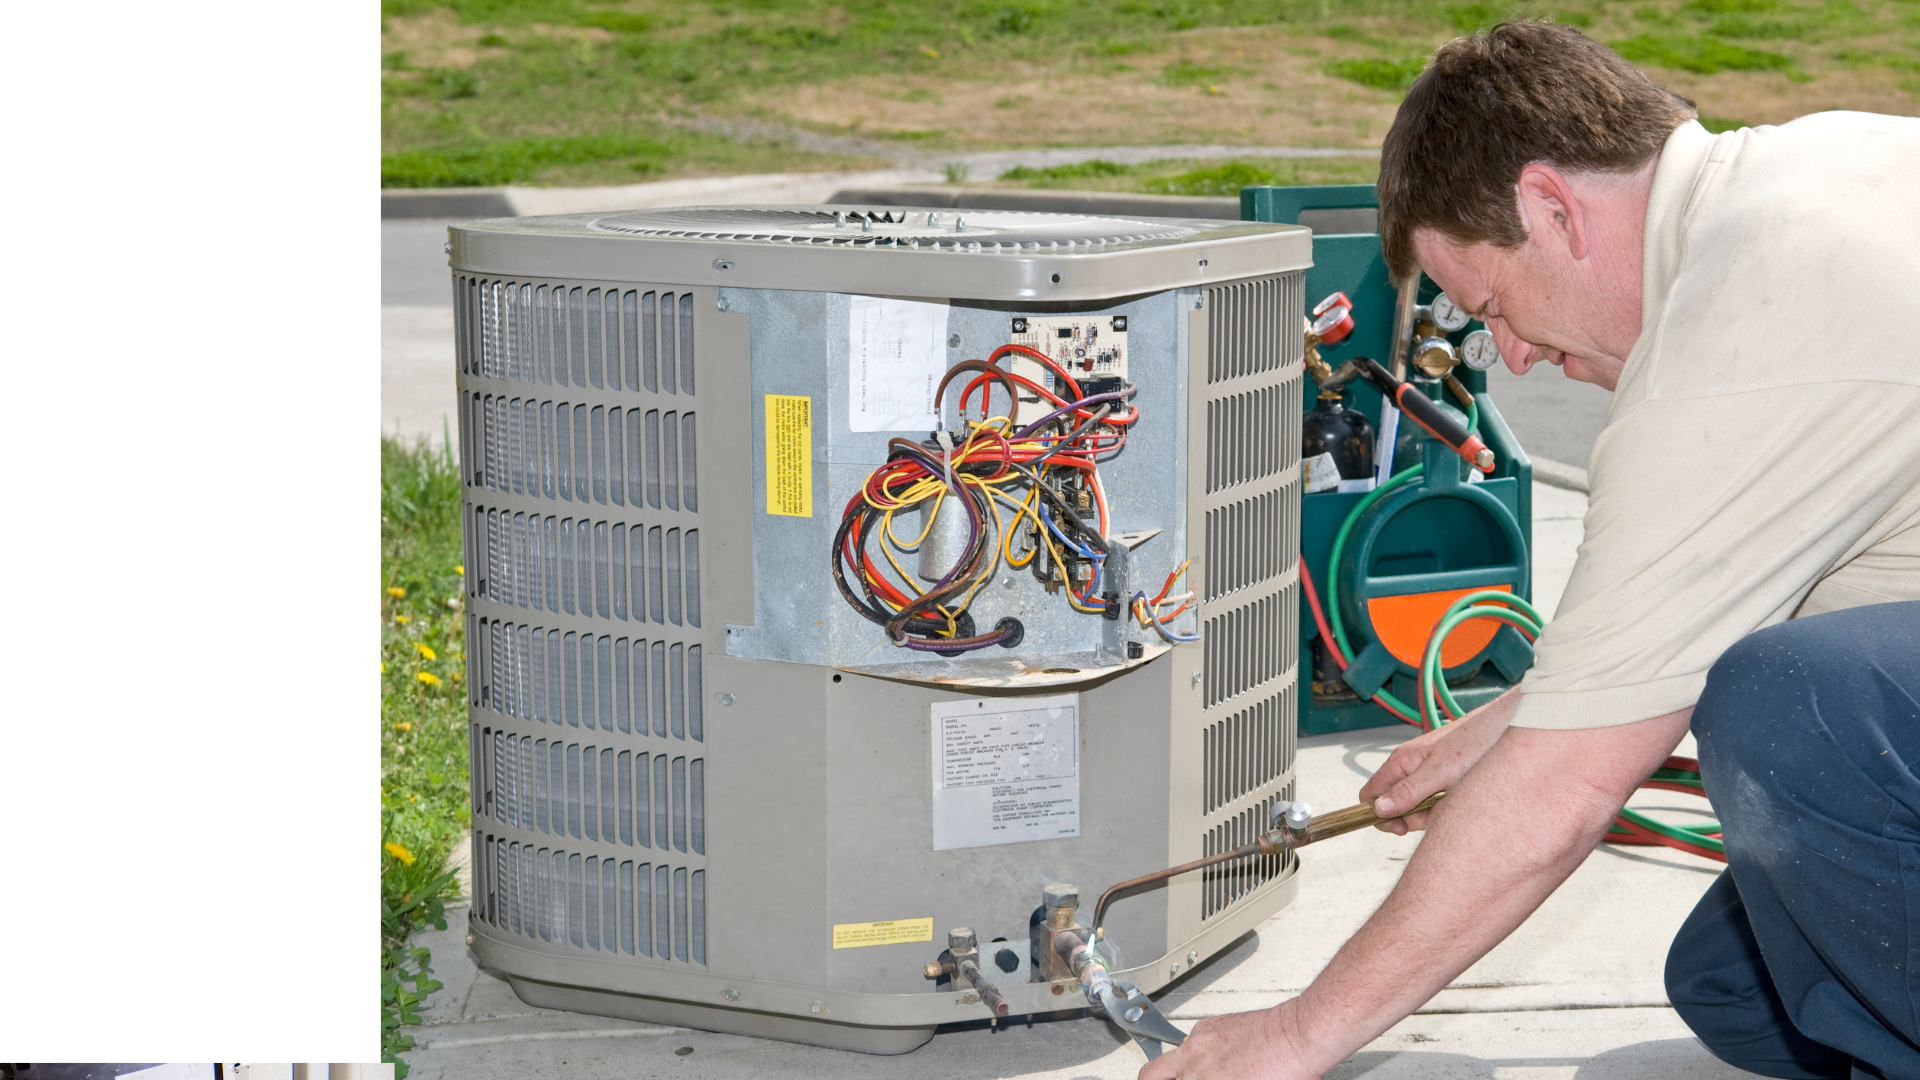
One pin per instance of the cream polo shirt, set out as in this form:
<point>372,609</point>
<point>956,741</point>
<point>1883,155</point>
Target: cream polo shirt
<point>1761,459</point>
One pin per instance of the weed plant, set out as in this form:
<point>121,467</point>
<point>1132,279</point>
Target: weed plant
<point>423,730</point>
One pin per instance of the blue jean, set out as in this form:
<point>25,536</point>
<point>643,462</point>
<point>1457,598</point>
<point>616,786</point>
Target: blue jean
<point>1803,959</point>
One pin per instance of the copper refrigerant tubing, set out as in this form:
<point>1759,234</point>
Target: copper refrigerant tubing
<point>1332,823</point>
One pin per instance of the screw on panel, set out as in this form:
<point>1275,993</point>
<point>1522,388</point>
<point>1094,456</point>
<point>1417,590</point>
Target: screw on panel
<point>1174,970</point>
<point>953,341</point>
<point>447,247</point>
<point>1196,678</point>
<point>726,699</point>
<point>730,994</point>
<point>816,1007</point>
<point>721,266</point>
<point>1193,957</point>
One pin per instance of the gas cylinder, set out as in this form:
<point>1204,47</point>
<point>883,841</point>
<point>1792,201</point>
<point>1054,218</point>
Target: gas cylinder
<point>1332,428</point>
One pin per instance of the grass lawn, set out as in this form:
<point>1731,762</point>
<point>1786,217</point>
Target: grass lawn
<point>423,726</point>
<point>613,91</point>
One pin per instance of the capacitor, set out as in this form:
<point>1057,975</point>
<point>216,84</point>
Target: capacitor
<point>946,538</point>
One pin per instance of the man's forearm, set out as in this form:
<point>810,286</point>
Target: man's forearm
<point>1509,833</point>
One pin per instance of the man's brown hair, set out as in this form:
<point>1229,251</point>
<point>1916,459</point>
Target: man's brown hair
<point>1493,103</point>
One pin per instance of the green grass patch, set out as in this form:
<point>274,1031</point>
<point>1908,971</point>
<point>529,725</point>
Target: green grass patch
<point>1065,175</point>
<point>1188,177</point>
<point>604,159</point>
<point>423,728</point>
<point>1225,179</point>
<point>1701,54</point>
<point>509,162</point>
<point>1718,124</point>
<point>1395,75</point>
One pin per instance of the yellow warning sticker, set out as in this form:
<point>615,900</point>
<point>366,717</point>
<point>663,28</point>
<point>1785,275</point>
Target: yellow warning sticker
<point>855,934</point>
<point>790,467</point>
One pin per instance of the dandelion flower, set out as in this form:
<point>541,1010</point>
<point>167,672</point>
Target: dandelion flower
<point>403,619</point>
<point>399,852</point>
<point>429,678</point>
<point>425,652</point>
<point>396,592</point>
<point>930,51</point>
<point>461,570</point>
<point>383,667</point>
<point>404,725</point>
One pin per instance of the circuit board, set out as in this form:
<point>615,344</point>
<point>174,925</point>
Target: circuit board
<point>1089,346</point>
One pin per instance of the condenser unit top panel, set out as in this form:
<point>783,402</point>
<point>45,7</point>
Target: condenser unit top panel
<point>894,251</point>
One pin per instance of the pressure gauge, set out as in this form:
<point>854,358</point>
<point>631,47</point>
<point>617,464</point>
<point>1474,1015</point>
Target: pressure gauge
<point>1448,315</point>
<point>1334,324</point>
<point>1478,351</point>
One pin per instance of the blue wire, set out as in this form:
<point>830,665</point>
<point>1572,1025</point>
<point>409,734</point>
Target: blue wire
<point>1140,597</point>
<point>1077,549</point>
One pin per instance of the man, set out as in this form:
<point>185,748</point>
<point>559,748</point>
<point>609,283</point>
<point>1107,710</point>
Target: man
<point>1748,297</point>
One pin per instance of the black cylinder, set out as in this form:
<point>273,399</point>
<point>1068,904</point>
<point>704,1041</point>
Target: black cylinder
<point>1332,428</point>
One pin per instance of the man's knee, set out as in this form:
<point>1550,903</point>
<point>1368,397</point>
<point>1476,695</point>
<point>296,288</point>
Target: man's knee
<point>1719,984</point>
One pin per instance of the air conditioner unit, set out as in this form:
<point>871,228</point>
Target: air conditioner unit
<point>709,789</point>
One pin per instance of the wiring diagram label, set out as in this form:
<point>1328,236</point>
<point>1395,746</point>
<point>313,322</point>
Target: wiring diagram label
<point>896,353</point>
<point>1005,770</point>
<point>790,455</point>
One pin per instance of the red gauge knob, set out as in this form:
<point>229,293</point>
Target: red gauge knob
<point>1333,324</point>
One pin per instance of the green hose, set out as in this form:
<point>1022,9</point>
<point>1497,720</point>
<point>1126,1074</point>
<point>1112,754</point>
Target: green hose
<point>1333,574</point>
<point>1527,618</point>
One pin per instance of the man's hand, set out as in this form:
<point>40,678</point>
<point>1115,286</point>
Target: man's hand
<point>1435,762</point>
<point>1241,1046</point>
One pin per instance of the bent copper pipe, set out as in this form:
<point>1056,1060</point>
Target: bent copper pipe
<point>1330,824</point>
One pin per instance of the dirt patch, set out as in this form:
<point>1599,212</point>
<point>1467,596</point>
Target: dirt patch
<point>1769,98</point>
<point>438,39</point>
<point>1255,86</point>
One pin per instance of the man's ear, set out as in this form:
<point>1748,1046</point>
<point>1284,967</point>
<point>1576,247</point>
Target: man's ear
<point>1549,208</point>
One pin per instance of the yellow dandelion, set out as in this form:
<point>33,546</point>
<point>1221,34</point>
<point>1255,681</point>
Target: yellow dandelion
<point>396,592</point>
<point>383,667</point>
<point>403,619</point>
<point>404,725</point>
<point>461,570</point>
<point>930,51</point>
<point>425,652</point>
<point>429,678</point>
<point>399,852</point>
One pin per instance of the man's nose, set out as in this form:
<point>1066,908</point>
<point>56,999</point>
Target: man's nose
<point>1518,355</point>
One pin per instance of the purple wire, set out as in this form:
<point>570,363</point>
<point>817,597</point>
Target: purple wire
<point>1117,395</point>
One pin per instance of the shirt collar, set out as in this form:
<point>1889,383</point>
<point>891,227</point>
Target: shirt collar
<point>1675,180</point>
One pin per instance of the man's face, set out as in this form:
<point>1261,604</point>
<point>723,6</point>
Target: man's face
<point>1537,308</point>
